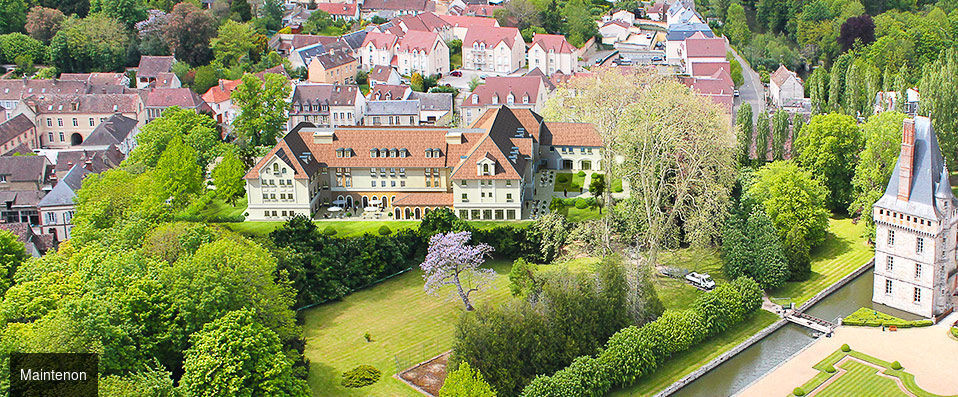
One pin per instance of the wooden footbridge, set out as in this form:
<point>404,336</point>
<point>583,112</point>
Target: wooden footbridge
<point>811,322</point>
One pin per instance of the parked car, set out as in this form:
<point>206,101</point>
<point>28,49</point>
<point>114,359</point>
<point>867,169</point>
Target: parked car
<point>735,93</point>
<point>657,58</point>
<point>700,280</point>
<point>456,73</point>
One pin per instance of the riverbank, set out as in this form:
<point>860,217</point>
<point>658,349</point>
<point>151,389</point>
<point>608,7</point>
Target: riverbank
<point>927,353</point>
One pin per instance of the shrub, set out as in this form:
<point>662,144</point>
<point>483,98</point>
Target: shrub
<point>368,337</point>
<point>363,375</point>
<point>954,332</point>
<point>563,178</point>
<point>896,365</point>
<point>384,230</point>
<point>581,203</point>
<point>329,231</point>
<point>798,391</point>
<point>845,348</point>
<point>581,174</point>
<point>830,369</point>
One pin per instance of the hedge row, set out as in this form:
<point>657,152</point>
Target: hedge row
<point>323,267</point>
<point>634,352</point>
<point>886,323</point>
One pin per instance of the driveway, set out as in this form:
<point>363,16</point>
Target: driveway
<point>752,90</point>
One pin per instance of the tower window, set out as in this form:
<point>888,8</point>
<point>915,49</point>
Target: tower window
<point>919,245</point>
<point>891,238</point>
<point>888,287</point>
<point>890,263</point>
<point>918,270</point>
<point>917,295</point>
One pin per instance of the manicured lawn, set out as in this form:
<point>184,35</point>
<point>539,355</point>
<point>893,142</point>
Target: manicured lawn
<point>843,251</point>
<point>577,215</point>
<point>861,379</point>
<point>676,293</point>
<point>407,326</point>
<point>869,317</point>
<point>684,363</point>
<point>219,208</point>
<point>573,182</point>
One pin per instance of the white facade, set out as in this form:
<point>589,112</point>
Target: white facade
<point>550,62</point>
<point>427,63</point>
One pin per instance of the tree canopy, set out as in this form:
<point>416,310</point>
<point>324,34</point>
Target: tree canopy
<point>263,106</point>
<point>882,135</point>
<point>828,147</point>
<point>96,43</point>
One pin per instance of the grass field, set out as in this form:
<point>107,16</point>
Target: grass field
<point>860,378</point>
<point>573,182</point>
<point>678,294</point>
<point>219,208</point>
<point>843,251</point>
<point>406,325</point>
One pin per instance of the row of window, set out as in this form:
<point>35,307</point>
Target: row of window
<point>392,183</point>
<point>919,242</point>
<point>379,152</point>
<point>906,218</point>
<point>484,182</point>
<point>487,214</point>
<point>272,182</point>
<point>571,150</point>
<point>382,172</point>
<point>50,218</point>
<point>282,197</point>
<point>890,266</point>
<point>273,214</point>
<point>916,296</point>
<point>465,196</point>
<point>76,123</point>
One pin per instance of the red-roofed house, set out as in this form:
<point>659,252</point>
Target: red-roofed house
<point>386,92</point>
<point>484,172</point>
<point>150,67</point>
<point>717,90</point>
<point>462,23</point>
<point>656,11</point>
<point>493,49</point>
<point>614,31</point>
<point>719,70</point>
<point>414,52</point>
<point>383,75</point>
<point>340,11</point>
<point>218,97</point>
<point>161,98</point>
<point>785,87</point>
<point>390,9</point>
<point>425,22</point>
<point>699,48</point>
<point>552,53</point>
<point>522,92</point>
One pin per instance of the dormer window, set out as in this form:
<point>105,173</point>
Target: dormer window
<point>275,168</point>
<point>373,153</point>
<point>525,98</point>
<point>511,98</point>
<point>393,153</point>
<point>428,153</point>
<point>339,152</point>
<point>495,99</point>
<point>485,169</point>
<point>403,152</point>
<point>475,99</point>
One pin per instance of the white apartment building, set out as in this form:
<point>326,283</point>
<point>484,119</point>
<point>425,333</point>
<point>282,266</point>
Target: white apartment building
<point>493,49</point>
<point>552,53</point>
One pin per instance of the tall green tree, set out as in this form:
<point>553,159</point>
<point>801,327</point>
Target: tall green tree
<point>817,86</point>
<point>828,147</point>
<point>736,24</point>
<point>780,126</point>
<point>177,173</point>
<point>96,43</point>
<point>228,178</point>
<point>744,129</point>
<point>762,134</point>
<point>752,247</point>
<point>579,22</point>
<point>795,202</point>
<point>12,254</point>
<point>196,130</point>
<point>263,106</point>
<point>240,11</point>
<point>237,356</point>
<point>233,43</point>
<point>128,12</point>
<point>43,23</point>
<point>882,135</point>
<point>836,82</point>
<point>939,101</point>
<point>13,15</point>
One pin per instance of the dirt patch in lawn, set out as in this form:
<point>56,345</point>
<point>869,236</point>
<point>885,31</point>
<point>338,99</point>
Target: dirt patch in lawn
<point>427,376</point>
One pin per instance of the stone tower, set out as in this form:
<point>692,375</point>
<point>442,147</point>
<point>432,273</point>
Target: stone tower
<point>916,228</point>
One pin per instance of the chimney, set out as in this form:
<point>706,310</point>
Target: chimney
<point>906,173</point>
<point>88,165</point>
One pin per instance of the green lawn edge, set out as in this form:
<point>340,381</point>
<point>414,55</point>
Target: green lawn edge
<point>907,379</point>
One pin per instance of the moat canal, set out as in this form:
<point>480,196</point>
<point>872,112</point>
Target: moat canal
<point>751,364</point>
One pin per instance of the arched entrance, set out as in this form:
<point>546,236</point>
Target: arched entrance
<point>385,203</point>
<point>365,202</point>
<point>349,201</point>
<point>418,213</point>
<point>567,164</point>
<point>398,214</point>
<point>426,211</point>
<point>586,165</point>
<point>76,139</point>
<point>408,213</point>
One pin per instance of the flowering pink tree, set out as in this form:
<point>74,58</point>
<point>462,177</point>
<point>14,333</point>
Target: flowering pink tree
<point>452,261</point>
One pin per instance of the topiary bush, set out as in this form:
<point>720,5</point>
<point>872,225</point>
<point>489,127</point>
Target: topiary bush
<point>329,231</point>
<point>562,178</point>
<point>798,391</point>
<point>830,369</point>
<point>581,204</point>
<point>896,365</point>
<point>384,230</point>
<point>846,348</point>
<point>361,376</point>
<point>581,174</point>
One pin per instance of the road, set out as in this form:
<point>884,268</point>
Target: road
<point>752,90</point>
